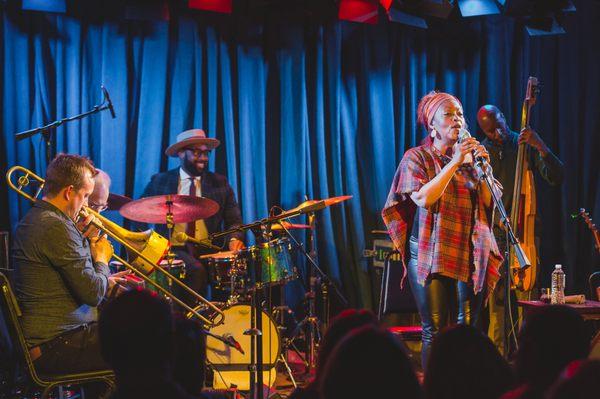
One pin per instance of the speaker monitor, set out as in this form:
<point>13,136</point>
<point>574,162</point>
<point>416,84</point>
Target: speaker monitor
<point>386,280</point>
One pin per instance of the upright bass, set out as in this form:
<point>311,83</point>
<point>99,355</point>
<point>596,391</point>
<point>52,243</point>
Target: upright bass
<point>523,210</point>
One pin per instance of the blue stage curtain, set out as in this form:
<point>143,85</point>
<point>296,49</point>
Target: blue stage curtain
<point>303,108</point>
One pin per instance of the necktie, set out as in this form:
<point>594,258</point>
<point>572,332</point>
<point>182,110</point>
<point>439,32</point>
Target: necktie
<point>190,228</point>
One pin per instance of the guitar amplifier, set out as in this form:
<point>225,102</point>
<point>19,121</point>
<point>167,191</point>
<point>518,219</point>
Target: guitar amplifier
<point>386,280</point>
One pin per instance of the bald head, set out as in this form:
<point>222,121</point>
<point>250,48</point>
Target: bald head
<point>99,198</point>
<point>492,122</point>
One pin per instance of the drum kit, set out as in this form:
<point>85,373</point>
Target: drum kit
<point>244,349</point>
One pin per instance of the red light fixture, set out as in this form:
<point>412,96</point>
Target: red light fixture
<point>363,11</point>
<point>222,6</point>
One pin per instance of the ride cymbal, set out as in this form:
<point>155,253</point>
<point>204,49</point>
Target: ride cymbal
<point>185,209</point>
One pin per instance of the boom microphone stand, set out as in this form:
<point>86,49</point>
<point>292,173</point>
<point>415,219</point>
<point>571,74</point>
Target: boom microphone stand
<point>513,241</point>
<point>46,130</point>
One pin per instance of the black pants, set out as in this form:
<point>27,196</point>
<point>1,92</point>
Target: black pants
<point>441,302</point>
<point>75,351</point>
<point>196,275</point>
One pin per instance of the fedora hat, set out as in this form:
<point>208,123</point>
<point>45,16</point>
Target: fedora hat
<point>191,137</point>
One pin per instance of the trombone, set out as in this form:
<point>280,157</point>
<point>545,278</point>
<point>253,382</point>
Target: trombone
<point>153,248</point>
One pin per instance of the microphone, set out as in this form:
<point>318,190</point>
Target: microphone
<point>182,237</point>
<point>480,162</point>
<point>110,105</point>
<point>229,340</point>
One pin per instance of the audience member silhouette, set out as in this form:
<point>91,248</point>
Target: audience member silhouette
<point>136,337</point>
<point>190,355</point>
<point>550,338</point>
<point>369,363</point>
<point>339,326</point>
<point>464,363</point>
<point>579,380</point>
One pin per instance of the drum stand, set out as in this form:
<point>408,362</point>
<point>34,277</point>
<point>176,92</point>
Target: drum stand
<point>170,255</point>
<point>255,330</point>
<point>313,336</point>
<point>256,366</point>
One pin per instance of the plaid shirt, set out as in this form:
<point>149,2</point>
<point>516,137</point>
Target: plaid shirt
<point>455,236</point>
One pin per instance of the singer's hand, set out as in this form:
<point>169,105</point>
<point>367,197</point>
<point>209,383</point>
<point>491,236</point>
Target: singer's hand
<point>461,149</point>
<point>481,151</point>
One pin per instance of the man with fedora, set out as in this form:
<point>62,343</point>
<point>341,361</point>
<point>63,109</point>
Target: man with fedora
<point>192,178</point>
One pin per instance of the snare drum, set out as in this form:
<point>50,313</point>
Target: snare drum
<point>272,261</point>
<point>223,268</point>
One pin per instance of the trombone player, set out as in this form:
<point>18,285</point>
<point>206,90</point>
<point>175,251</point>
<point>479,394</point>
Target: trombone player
<point>62,276</point>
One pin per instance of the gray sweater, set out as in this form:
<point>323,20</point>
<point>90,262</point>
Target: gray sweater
<point>58,285</point>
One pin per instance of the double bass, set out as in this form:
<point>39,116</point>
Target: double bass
<point>524,204</point>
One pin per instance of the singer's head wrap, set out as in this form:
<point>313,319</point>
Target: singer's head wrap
<point>429,104</point>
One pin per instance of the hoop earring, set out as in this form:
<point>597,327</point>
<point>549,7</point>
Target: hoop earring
<point>433,133</point>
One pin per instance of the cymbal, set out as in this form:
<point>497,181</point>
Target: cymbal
<point>336,200</point>
<point>116,201</point>
<point>289,226</point>
<point>185,209</point>
<point>317,205</point>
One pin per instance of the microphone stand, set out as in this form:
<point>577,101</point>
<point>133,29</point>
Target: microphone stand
<point>46,130</point>
<point>219,338</point>
<point>513,241</point>
<point>311,318</point>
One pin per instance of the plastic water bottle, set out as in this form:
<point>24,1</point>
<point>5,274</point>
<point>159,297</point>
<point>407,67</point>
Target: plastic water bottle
<point>557,294</point>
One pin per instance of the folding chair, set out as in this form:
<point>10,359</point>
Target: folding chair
<point>11,311</point>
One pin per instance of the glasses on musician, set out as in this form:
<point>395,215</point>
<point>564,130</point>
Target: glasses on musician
<point>98,207</point>
<point>198,151</point>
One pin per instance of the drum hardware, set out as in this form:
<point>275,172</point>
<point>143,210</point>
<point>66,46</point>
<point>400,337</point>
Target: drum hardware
<point>147,248</point>
<point>262,228</point>
<point>311,319</point>
<point>235,367</point>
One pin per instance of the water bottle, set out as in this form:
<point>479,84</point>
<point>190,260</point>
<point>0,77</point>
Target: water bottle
<point>557,294</point>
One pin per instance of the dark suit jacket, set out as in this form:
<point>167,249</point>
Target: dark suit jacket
<point>214,186</point>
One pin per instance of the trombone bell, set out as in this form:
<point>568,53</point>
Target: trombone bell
<point>154,248</point>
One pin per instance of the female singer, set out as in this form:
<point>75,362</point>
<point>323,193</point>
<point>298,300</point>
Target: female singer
<point>439,216</point>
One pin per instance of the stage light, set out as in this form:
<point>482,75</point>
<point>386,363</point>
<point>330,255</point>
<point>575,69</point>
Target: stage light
<point>222,6</point>
<point>403,18</point>
<point>477,8</point>
<point>542,17</point>
<point>543,26</point>
<point>364,11</point>
<point>59,6</point>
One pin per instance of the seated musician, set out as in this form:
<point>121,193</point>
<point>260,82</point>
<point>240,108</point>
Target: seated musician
<point>61,275</point>
<point>192,178</point>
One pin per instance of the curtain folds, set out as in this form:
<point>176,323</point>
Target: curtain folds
<point>303,109</point>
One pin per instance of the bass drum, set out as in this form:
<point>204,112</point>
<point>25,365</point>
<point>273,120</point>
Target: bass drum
<point>231,366</point>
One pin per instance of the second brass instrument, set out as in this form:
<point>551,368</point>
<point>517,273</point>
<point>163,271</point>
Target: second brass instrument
<point>146,248</point>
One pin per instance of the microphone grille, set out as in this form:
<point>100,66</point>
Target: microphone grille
<point>463,134</point>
